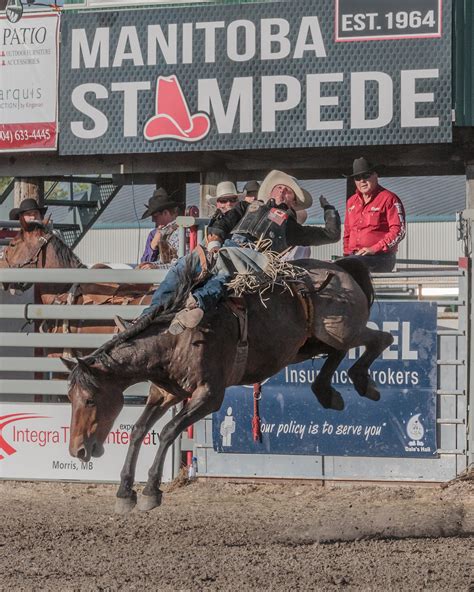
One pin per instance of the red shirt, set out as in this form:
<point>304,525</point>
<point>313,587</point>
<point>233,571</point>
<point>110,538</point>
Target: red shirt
<point>378,224</point>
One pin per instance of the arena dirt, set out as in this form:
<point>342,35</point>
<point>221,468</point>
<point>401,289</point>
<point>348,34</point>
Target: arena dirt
<point>238,537</point>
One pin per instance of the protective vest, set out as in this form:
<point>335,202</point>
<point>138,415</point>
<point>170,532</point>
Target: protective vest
<point>264,221</point>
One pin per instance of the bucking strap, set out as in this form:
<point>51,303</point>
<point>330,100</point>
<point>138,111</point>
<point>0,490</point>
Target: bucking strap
<point>239,310</point>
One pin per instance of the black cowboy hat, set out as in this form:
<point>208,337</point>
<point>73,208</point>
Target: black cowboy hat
<point>360,166</point>
<point>26,206</point>
<point>251,187</point>
<point>159,201</point>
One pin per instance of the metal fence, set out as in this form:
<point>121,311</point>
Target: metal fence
<point>27,377</point>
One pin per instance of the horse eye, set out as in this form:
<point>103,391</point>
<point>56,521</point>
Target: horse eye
<point>90,403</point>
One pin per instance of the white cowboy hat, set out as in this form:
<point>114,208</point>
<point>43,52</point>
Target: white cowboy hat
<point>224,189</point>
<point>303,197</point>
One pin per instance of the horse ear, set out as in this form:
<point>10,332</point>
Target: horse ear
<point>83,363</point>
<point>69,363</point>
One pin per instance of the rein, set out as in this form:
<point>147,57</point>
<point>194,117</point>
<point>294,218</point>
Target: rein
<point>33,259</point>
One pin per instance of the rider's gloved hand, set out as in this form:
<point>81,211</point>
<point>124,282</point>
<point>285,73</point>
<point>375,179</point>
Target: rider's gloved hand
<point>324,202</point>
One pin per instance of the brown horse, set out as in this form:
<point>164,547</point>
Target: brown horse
<point>197,365</point>
<point>38,248</point>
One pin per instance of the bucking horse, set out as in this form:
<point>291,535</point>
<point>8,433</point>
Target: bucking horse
<point>196,367</point>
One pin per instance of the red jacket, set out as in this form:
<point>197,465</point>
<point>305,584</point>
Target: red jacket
<point>379,224</point>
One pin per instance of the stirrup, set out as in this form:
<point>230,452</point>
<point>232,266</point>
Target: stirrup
<point>122,324</point>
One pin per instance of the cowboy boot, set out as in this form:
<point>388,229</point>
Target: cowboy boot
<point>188,318</point>
<point>122,324</point>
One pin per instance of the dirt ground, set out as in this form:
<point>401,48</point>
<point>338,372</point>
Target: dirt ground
<point>216,535</point>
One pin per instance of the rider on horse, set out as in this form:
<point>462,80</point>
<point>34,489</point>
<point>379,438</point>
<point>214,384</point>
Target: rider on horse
<point>29,211</point>
<point>273,217</point>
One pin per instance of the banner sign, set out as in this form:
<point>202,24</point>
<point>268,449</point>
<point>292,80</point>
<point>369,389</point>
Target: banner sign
<point>401,424</point>
<point>34,441</point>
<point>264,75</point>
<point>29,83</point>
<point>365,20</point>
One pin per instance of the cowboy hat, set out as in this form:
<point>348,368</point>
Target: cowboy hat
<point>159,201</point>
<point>360,166</point>
<point>27,205</point>
<point>223,189</point>
<point>303,197</point>
<point>250,187</point>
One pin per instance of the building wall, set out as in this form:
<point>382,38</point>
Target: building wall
<point>424,240</point>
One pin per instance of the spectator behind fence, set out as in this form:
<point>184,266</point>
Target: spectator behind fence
<point>28,211</point>
<point>225,199</point>
<point>250,191</point>
<point>375,220</point>
<point>162,242</point>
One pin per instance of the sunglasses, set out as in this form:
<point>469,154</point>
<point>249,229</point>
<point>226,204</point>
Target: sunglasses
<point>363,177</point>
<point>227,200</point>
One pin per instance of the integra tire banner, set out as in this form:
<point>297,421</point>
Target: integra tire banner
<point>311,73</point>
<point>401,424</point>
<point>29,64</point>
<point>34,441</point>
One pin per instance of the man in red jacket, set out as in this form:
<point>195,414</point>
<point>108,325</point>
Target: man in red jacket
<point>375,220</point>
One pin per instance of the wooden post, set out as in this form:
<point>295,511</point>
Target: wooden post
<point>28,188</point>
<point>209,182</point>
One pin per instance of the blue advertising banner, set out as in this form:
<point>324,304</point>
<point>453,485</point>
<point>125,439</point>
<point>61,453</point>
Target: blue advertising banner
<point>401,424</point>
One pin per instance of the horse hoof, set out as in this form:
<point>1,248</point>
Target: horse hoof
<point>337,402</point>
<point>372,392</point>
<point>124,505</point>
<point>330,399</point>
<point>148,502</point>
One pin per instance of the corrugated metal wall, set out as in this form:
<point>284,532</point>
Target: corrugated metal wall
<point>424,240</point>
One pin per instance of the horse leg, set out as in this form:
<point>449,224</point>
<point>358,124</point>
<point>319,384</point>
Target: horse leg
<point>375,342</point>
<point>159,401</point>
<point>202,402</point>
<point>326,394</point>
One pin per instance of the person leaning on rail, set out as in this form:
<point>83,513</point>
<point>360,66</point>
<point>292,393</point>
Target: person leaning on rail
<point>28,211</point>
<point>375,220</point>
<point>250,191</point>
<point>272,217</point>
<point>162,242</point>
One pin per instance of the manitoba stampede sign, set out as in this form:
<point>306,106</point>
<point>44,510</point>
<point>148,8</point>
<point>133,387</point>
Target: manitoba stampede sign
<point>265,75</point>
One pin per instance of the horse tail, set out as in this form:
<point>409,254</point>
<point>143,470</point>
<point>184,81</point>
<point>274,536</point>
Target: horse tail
<point>360,272</point>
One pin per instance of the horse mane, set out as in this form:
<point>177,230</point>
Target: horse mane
<point>159,315</point>
<point>66,256</point>
<point>84,378</point>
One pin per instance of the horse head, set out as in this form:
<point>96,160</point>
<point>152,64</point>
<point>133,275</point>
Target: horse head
<point>36,247</point>
<point>95,406</point>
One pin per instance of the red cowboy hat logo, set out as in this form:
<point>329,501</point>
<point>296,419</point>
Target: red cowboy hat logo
<point>173,120</point>
<point>5,447</point>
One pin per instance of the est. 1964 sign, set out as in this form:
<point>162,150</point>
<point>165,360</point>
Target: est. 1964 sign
<point>401,424</point>
<point>263,75</point>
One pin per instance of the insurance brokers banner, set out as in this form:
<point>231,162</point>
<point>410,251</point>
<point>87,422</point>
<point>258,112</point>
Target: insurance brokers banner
<point>311,73</point>
<point>401,424</point>
<point>29,54</point>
